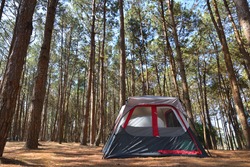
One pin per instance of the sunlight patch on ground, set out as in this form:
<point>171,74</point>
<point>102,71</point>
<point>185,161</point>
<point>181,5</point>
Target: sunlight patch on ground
<point>73,154</point>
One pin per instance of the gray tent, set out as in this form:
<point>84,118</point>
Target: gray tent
<point>152,126</point>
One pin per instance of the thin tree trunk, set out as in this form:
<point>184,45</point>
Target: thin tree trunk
<point>61,86</point>
<point>15,133</point>
<point>44,128</point>
<point>54,122</point>
<point>20,105</point>
<point>145,83</point>
<point>133,76</point>
<point>201,101</point>
<point>101,77</point>
<point>232,77</point>
<point>142,74</point>
<point>25,99</point>
<point>169,52</point>
<point>1,9</point>
<point>230,138</point>
<point>212,137</point>
<point>231,114</point>
<point>77,110</point>
<point>122,56</point>
<point>158,79</point>
<point>93,109</point>
<point>186,97</point>
<point>89,86</point>
<point>220,136</point>
<point>203,119</point>
<point>226,102</point>
<point>164,75</point>
<point>147,75</point>
<point>223,107</point>
<point>10,84</point>
<point>68,118</point>
<point>22,120</point>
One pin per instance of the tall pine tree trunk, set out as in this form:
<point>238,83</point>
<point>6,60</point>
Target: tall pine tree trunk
<point>231,73</point>
<point>243,12</point>
<point>39,90</point>
<point>244,54</point>
<point>44,128</point>
<point>186,97</point>
<point>101,77</point>
<point>170,52</point>
<point>210,127</point>
<point>10,84</point>
<point>90,80</point>
<point>122,56</point>
<point>143,57</point>
<point>201,100</point>
<point>93,109</point>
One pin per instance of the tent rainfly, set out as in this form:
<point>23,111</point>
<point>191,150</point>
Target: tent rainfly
<point>152,126</point>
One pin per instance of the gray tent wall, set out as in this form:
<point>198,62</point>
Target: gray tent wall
<point>138,130</point>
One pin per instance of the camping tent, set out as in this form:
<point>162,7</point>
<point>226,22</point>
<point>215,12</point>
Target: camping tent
<point>152,126</point>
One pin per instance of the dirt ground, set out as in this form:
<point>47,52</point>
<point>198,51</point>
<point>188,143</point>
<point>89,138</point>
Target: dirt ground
<point>72,154</point>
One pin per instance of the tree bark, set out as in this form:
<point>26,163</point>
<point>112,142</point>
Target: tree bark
<point>39,90</point>
<point>186,97</point>
<point>219,131</point>
<point>90,75</point>
<point>133,76</point>
<point>101,77</point>
<point>63,79</point>
<point>158,79</point>
<point>143,57</point>
<point>243,12</point>
<point>232,77</point>
<point>169,52</point>
<point>1,9</point>
<point>245,55</point>
<point>44,128</point>
<point>122,56</point>
<point>201,100</point>
<point>93,108</point>
<point>210,127</point>
<point>10,85</point>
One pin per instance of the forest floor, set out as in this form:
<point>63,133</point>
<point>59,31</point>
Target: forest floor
<point>73,154</point>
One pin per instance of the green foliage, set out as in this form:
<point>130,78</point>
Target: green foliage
<point>199,130</point>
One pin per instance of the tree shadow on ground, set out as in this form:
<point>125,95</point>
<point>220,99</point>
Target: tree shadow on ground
<point>8,161</point>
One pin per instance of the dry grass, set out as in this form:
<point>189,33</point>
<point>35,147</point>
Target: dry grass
<point>72,154</point>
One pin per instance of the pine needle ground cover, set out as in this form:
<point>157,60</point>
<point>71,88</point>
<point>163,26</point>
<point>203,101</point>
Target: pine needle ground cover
<point>73,154</point>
